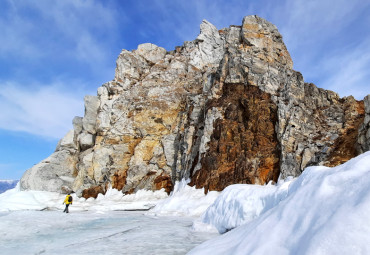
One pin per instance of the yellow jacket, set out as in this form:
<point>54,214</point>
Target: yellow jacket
<point>66,200</point>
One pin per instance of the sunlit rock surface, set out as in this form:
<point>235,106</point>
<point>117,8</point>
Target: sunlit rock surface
<point>225,108</point>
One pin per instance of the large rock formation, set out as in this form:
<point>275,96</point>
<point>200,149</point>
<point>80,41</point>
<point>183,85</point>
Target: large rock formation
<point>225,108</point>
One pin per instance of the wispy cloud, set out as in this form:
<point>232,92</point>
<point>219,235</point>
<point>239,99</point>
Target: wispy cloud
<point>57,52</point>
<point>15,31</point>
<point>78,30</point>
<point>307,22</point>
<point>40,110</point>
<point>347,72</point>
<point>173,22</point>
<point>328,41</point>
<point>63,30</point>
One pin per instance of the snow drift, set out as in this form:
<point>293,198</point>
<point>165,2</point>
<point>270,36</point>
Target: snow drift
<point>241,203</point>
<point>185,200</point>
<point>325,211</point>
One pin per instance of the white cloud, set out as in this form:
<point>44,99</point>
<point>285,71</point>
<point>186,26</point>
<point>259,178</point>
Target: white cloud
<point>347,72</point>
<point>312,22</point>
<point>65,33</point>
<point>307,26</point>
<point>83,23</point>
<point>321,37</point>
<point>74,29</point>
<point>40,110</point>
<point>14,39</point>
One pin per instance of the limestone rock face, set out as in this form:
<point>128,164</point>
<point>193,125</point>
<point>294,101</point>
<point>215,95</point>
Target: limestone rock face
<point>364,132</point>
<point>57,172</point>
<point>225,108</point>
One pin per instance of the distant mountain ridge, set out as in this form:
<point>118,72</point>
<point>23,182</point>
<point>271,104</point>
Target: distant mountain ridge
<point>7,184</point>
<point>225,108</point>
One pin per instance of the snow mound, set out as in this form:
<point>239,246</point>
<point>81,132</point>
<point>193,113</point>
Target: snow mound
<point>241,203</point>
<point>185,200</point>
<point>325,211</point>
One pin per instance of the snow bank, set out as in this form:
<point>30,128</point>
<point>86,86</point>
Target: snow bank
<point>241,203</point>
<point>326,211</point>
<point>185,200</point>
<point>15,200</point>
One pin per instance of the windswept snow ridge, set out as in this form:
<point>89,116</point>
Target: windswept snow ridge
<point>326,211</point>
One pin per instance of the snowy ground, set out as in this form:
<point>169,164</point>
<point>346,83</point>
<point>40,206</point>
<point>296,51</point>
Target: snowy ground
<point>32,222</point>
<point>91,232</point>
<point>324,211</point>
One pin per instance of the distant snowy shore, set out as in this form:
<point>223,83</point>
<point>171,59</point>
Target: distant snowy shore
<point>7,184</point>
<point>324,211</point>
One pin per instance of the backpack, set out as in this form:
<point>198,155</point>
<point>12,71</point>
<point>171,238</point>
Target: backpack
<point>70,199</point>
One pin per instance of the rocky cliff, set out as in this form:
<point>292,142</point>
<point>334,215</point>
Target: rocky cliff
<point>225,108</point>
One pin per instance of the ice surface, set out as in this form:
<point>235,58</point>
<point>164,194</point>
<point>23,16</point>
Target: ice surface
<point>91,232</point>
<point>100,226</point>
<point>325,211</point>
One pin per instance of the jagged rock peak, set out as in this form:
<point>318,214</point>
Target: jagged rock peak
<point>263,34</point>
<point>225,108</point>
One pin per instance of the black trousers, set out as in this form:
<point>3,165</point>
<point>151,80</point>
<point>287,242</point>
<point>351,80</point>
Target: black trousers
<point>66,209</point>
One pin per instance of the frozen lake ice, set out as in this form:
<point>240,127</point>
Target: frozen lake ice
<point>94,232</point>
<point>323,211</point>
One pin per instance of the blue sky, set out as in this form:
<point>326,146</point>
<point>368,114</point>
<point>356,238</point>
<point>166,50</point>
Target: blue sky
<point>52,53</point>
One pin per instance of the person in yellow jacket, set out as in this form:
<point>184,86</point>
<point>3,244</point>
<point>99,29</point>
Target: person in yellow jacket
<point>68,201</point>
